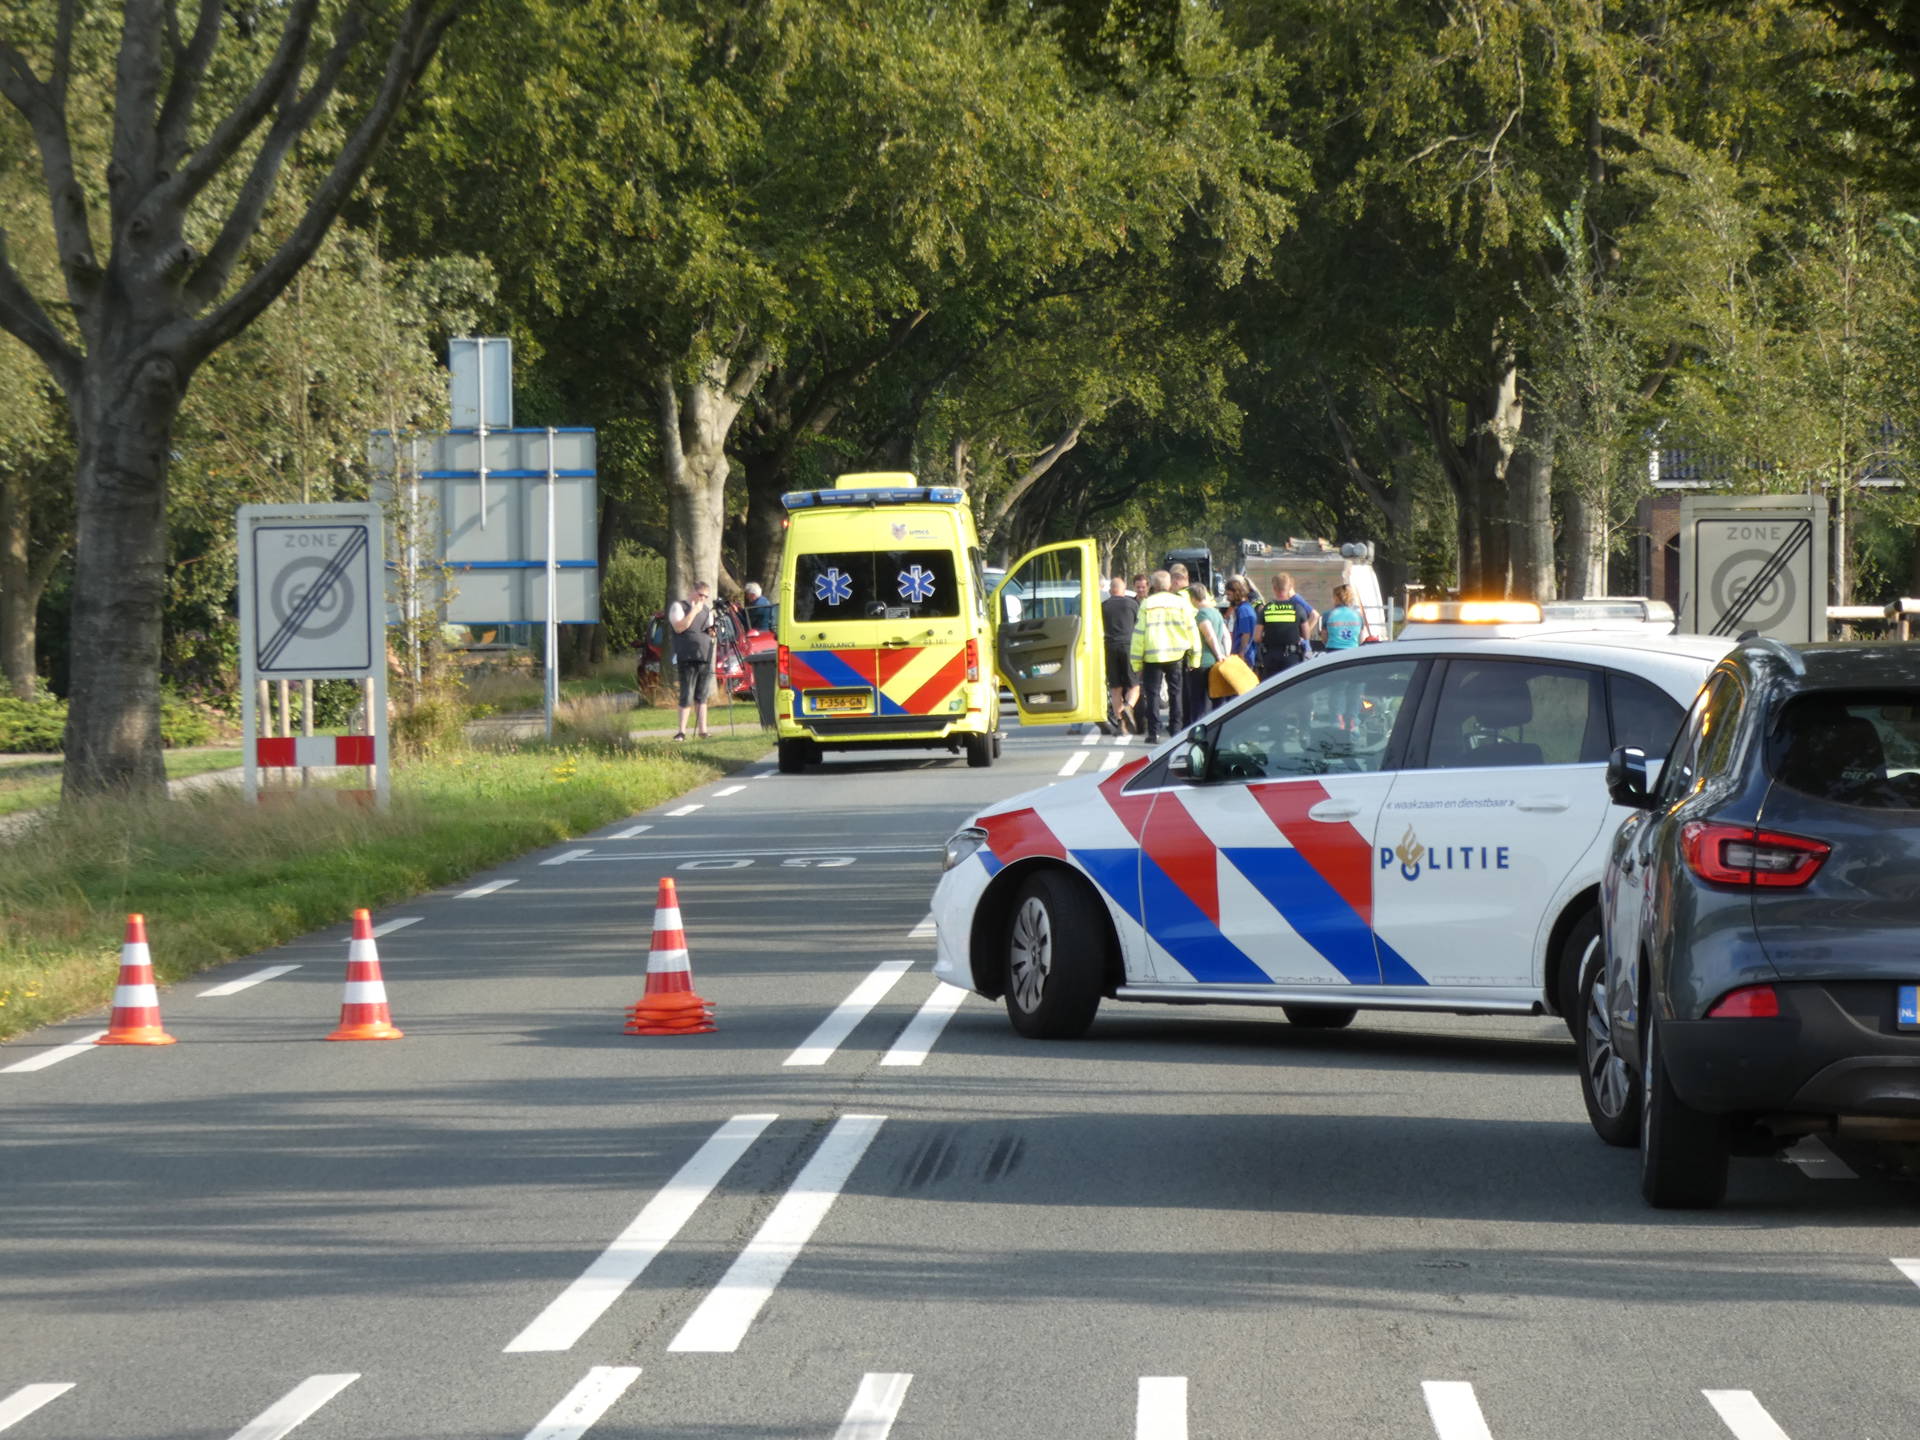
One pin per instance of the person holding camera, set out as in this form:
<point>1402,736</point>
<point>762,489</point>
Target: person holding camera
<point>695,629</point>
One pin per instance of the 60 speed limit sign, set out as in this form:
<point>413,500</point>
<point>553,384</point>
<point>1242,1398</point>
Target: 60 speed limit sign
<point>312,589</point>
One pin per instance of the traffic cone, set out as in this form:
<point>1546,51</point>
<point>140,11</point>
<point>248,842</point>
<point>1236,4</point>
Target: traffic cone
<point>136,1004</point>
<point>669,1006</point>
<point>363,1008</point>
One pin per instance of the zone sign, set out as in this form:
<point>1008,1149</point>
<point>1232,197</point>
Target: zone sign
<point>313,590</point>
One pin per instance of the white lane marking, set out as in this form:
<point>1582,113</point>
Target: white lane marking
<point>875,1405</point>
<point>917,1039</point>
<point>387,927</point>
<point>1816,1161</point>
<point>1111,761</point>
<point>722,1320</point>
<point>1456,1414</point>
<point>629,832</point>
<point>486,889</point>
<point>245,982</point>
<point>1161,1412</point>
<point>683,810</point>
<point>296,1405</point>
<point>730,790</point>
<point>1122,739</point>
<point>924,930</point>
<point>586,1403</point>
<point>604,1281</point>
<point>1745,1416</point>
<point>568,856</point>
<point>1910,1269</point>
<point>1073,763</point>
<point>53,1056</point>
<point>633,855</point>
<point>818,1047</point>
<point>1092,738</point>
<point>29,1398</point>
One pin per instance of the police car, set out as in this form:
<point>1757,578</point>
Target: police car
<point>1414,826</point>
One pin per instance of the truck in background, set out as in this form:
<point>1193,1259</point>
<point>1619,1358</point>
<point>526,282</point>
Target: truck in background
<point>1317,566</point>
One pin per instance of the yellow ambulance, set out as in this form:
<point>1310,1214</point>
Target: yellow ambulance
<point>890,637</point>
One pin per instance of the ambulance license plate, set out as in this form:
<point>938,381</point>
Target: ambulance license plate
<point>1907,1014</point>
<point>840,702</point>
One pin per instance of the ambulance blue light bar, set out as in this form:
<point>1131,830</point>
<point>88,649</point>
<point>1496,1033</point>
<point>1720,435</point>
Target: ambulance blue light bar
<point>901,495</point>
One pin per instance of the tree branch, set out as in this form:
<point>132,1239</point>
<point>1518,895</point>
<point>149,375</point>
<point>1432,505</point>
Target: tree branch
<point>136,99</point>
<point>22,316</point>
<point>1048,458</point>
<point>189,70</point>
<point>667,398</point>
<point>44,106</point>
<point>1368,483</point>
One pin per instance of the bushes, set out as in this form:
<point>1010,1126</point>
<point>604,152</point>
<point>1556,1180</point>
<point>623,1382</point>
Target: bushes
<point>28,726</point>
<point>632,591</point>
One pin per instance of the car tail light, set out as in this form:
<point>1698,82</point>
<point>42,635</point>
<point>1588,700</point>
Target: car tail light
<point>973,659</point>
<point>1741,855</point>
<point>1753,1002</point>
<point>781,680</point>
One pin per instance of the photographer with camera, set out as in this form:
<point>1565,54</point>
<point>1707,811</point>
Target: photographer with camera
<point>695,630</point>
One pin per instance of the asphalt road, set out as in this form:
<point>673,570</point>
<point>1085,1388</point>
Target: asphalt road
<point>519,1222</point>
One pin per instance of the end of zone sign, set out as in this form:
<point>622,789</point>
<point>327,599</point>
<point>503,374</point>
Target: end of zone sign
<point>312,590</point>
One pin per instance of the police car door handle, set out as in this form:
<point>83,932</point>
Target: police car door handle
<point>1332,810</point>
<point>1543,802</point>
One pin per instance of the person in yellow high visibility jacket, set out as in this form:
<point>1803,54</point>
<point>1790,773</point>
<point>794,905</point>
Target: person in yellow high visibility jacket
<point>1164,635</point>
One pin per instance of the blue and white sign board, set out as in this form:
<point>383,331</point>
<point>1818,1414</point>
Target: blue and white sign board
<point>480,372</point>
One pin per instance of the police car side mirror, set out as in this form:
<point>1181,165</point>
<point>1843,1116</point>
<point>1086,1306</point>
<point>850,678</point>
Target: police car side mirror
<point>1627,782</point>
<point>1199,753</point>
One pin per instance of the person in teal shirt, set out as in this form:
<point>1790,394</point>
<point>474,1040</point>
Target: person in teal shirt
<point>1344,621</point>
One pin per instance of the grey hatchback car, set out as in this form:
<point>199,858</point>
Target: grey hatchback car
<point>1758,977</point>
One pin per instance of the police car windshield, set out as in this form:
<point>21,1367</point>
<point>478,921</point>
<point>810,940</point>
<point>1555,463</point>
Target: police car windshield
<point>875,585</point>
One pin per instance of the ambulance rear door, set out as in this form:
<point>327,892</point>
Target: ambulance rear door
<point>1047,641</point>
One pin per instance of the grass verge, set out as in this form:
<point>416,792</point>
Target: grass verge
<point>218,880</point>
<point>35,784</point>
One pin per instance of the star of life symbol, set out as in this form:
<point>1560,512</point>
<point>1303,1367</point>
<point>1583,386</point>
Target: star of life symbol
<point>916,585</point>
<point>834,587</point>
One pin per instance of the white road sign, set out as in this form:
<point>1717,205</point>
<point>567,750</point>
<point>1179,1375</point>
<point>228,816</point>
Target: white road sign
<point>1754,563</point>
<point>312,590</point>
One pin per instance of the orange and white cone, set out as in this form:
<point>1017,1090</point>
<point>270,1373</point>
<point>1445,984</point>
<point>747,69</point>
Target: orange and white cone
<point>136,1004</point>
<point>669,1006</point>
<point>363,1008</point>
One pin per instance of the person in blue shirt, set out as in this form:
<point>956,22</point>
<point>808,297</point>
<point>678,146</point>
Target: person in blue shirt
<point>1344,621</point>
<point>1243,621</point>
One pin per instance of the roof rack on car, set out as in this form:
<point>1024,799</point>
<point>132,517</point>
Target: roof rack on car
<point>1767,645</point>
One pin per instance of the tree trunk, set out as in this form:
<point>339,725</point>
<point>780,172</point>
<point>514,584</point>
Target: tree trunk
<point>695,419</point>
<point>18,598</point>
<point>124,418</point>
<point>1586,541</point>
<point>1530,496</point>
<point>766,482</point>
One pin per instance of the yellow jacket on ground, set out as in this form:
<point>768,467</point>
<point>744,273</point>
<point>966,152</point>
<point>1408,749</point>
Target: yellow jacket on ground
<point>1164,629</point>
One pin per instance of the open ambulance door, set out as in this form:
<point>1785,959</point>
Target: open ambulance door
<point>1047,639</point>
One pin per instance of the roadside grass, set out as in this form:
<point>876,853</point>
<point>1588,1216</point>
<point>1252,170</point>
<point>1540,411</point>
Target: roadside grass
<point>217,879</point>
<point>35,784</point>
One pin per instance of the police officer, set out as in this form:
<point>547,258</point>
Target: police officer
<point>1286,628</point>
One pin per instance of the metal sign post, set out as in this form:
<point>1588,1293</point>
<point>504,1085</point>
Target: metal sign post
<point>551,689</point>
<point>312,606</point>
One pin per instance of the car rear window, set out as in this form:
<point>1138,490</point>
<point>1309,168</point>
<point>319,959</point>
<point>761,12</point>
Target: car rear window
<point>875,585</point>
<point>1851,748</point>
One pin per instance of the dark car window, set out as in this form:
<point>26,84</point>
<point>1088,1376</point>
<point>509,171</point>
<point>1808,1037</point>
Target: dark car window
<point>1334,720</point>
<point>875,585</point>
<point>1644,715</point>
<point>1515,713</point>
<point>1702,741</point>
<point>1851,748</point>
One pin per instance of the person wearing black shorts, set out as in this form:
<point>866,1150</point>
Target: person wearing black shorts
<point>694,630</point>
<point>1117,613</point>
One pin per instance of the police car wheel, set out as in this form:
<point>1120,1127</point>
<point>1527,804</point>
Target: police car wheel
<point>1581,947</point>
<point>1610,1086</point>
<point>1320,1017</point>
<point>1053,951</point>
<point>980,751</point>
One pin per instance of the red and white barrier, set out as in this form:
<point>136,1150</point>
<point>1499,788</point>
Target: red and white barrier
<point>287,752</point>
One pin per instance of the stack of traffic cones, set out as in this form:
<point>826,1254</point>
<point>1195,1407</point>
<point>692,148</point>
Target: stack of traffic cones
<point>363,1008</point>
<point>136,1004</point>
<point>669,1006</point>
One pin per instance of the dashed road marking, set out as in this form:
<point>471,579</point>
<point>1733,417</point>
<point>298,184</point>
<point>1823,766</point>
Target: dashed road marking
<point>924,930</point>
<point>677,855</point>
<point>621,1263</point>
<point>586,1403</point>
<point>245,982</point>
<point>683,810</point>
<point>29,1398</point>
<point>921,1032</point>
<point>53,1056</point>
<point>1161,1410</point>
<point>1816,1161</point>
<point>724,1317</point>
<point>1073,763</point>
<point>1092,738</point>
<point>1122,739</point>
<point>1744,1415</point>
<point>818,1047</point>
<point>389,926</point>
<point>1910,1269</point>
<point>487,889</point>
<point>875,1405</point>
<point>1456,1414</point>
<point>629,832</point>
<point>730,790</point>
<point>297,1405</point>
<point>565,858</point>
<point>1112,760</point>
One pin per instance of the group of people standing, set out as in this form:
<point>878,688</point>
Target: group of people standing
<point>1166,637</point>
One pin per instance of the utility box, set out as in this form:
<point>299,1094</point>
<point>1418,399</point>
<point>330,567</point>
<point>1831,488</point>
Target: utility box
<point>1754,563</point>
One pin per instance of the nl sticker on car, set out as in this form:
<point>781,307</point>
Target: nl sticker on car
<point>1909,1013</point>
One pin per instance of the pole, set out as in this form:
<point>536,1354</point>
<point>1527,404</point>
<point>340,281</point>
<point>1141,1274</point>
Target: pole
<point>412,597</point>
<point>480,366</point>
<point>553,591</point>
